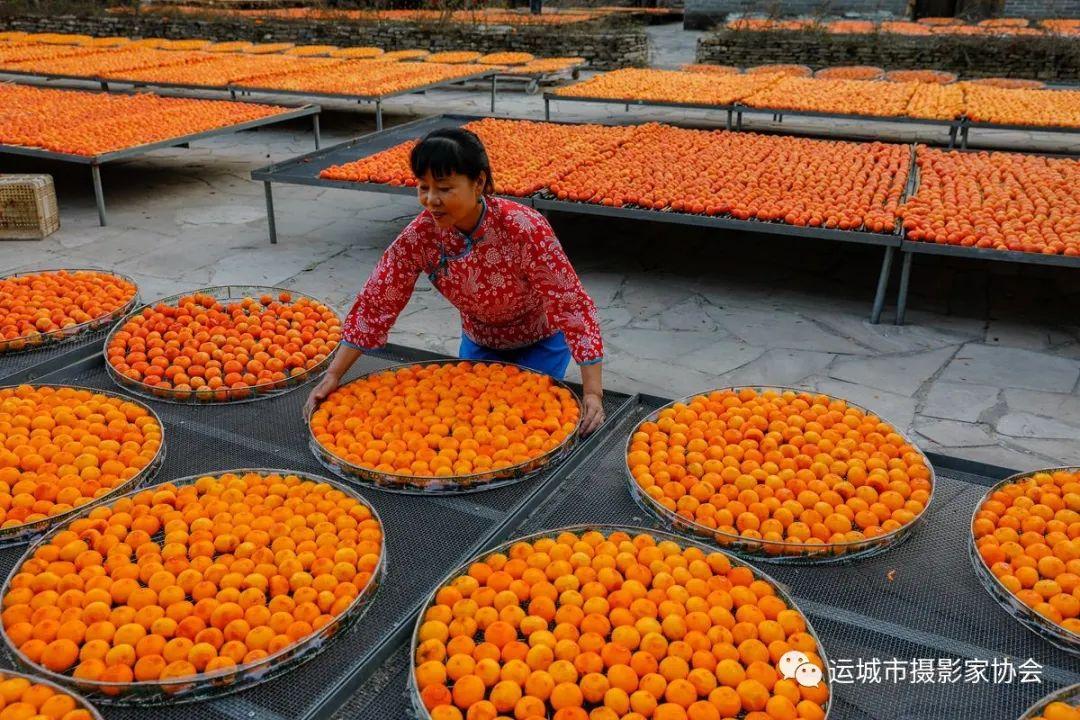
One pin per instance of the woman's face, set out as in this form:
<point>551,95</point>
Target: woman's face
<point>451,200</point>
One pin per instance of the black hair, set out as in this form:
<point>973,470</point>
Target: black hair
<point>452,150</point>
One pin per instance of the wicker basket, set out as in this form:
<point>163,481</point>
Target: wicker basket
<point>28,208</point>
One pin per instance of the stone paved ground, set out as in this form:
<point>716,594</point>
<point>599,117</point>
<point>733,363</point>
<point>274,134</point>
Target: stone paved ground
<point>986,368</point>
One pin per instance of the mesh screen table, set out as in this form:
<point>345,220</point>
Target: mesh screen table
<point>20,367</point>
<point>933,607</point>
<point>425,536</point>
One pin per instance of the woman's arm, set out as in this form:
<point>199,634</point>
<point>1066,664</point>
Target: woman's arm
<point>377,307</point>
<point>343,360</point>
<point>571,310</point>
<point>592,383</point>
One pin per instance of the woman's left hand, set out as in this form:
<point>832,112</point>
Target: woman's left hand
<point>593,416</point>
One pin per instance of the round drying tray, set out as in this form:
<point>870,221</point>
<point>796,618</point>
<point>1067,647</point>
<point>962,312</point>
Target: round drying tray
<point>55,337</point>
<point>1043,627</point>
<point>28,532</point>
<point>775,551</point>
<point>446,485</point>
<point>262,391</point>
<point>606,530</point>
<point>223,682</point>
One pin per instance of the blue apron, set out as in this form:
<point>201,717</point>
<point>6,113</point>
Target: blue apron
<point>550,356</point>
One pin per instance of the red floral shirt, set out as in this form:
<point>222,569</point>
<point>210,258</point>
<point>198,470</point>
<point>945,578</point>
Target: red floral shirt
<point>509,278</point>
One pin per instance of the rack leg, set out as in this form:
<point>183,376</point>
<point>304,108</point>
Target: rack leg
<point>882,286</point>
<point>232,94</point>
<point>99,194</point>
<point>315,129</point>
<point>271,223</point>
<point>494,80</point>
<point>738,120</point>
<point>964,137</point>
<point>728,124</point>
<point>547,109</point>
<point>378,115</point>
<point>952,136</point>
<point>902,295</point>
<point>104,86</point>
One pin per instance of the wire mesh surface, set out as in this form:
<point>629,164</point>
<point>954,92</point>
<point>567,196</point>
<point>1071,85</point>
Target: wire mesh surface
<point>18,367</point>
<point>933,608</point>
<point>425,537</point>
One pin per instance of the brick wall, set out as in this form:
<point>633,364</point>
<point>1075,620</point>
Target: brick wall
<point>1043,58</point>
<point>1042,8</point>
<point>606,48</point>
<point>702,14</point>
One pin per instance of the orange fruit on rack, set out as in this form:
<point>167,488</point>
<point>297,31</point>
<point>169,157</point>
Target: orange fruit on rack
<point>454,57</point>
<point>922,76</point>
<point>445,420</point>
<point>198,346</point>
<point>996,200</point>
<point>506,58</point>
<point>712,69</point>
<point>850,72</point>
<point>1027,534</point>
<point>784,470</point>
<point>246,565</point>
<point>63,447</point>
<point>43,304</point>
<point>588,624</point>
<point>529,155</point>
<point>86,123</point>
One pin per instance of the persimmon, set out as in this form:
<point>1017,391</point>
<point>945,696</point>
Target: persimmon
<point>39,305</point>
<point>280,529</point>
<point>1027,535</point>
<point>1003,201</point>
<point>445,420</point>
<point>1009,83</point>
<point>606,587</point>
<point>670,86</point>
<point>794,468</point>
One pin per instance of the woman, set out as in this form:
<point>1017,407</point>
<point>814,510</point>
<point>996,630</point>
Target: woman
<point>498,262</point>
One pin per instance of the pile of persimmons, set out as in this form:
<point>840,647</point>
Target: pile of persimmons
<point>602,626</point>
<point>48,303</point>
<point>84,123</point>
<point>207,349</point>
<point>1003,201</point>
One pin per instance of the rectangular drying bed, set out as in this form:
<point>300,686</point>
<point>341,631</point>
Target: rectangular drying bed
<point>96,161</point>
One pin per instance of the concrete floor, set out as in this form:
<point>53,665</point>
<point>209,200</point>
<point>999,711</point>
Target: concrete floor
<point>986,368</point>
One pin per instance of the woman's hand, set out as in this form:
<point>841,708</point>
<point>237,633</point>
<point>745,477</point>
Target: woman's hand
<point>593,415</point>
<point>320,392</point>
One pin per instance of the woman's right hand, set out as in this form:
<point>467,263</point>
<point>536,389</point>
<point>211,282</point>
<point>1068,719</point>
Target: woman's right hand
<point>320,392</point>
